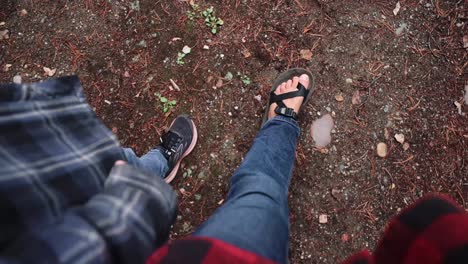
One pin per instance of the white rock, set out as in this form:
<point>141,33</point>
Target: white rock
<point>349,80</point>
<point>320,130</point>
<point>323,219</point>
<point>397,8</point>
<point>400,138</point>
<point>186,50</point>
<point>382,150</point>
<point>206,47</point>
<point>17,79</point>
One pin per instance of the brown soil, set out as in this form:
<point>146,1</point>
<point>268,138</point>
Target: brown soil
<point>126,51</point>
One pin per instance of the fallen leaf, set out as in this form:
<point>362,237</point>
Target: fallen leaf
<point>306,54</point>
<point>323,219</point>
<point>382,150</point>
<point>339,98</point>
<point>4,34</point>
<point>321,131</point>
<point>406,146</point>
<point>50,72</point>
<point>397,8</point>
<point>356,98</point>
<point>400,138</point>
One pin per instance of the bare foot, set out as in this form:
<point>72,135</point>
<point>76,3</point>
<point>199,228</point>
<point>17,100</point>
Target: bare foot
<point>287,87</point>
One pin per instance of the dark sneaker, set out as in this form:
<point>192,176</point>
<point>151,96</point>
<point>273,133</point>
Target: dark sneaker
<point>177,143</point>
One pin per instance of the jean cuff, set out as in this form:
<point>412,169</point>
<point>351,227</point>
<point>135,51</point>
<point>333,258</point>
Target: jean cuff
<point>286,119</point>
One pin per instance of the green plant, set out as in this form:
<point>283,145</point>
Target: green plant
<point>244,78</point>
<point>180,58</point>
<point>166,104</point>
<point>194,13</point>
<point>211,20</point>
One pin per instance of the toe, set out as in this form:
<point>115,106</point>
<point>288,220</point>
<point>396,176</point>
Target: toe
<point>304,80</point>
<point>289,85</point>
<point>295,82</point>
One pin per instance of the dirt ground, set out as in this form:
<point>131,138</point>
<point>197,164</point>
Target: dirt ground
<point>396,74</point>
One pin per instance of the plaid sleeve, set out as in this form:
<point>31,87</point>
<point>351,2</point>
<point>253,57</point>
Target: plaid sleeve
<point>432,231</point>
<point>122,224</point>
<point>62,200</point>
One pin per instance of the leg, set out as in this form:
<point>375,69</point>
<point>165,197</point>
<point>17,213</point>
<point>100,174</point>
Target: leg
<point>152,162</point>
<point>255,216</point>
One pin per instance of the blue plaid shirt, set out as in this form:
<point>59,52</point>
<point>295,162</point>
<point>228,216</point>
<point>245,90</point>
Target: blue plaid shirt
<point>62,200</point>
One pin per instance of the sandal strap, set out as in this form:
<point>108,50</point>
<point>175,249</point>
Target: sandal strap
<point>274,98</point>
<point>286,111</point>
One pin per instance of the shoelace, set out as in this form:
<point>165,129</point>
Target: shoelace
<point>170,141</point>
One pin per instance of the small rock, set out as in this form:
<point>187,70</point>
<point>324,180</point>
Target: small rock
<point>465,42</point>
<point>7,67</point>
<point>406,146</point>
<point>221,201</point>
<point>323,219</point>
<point>4,34</point>
<point>17,79</point>
<point>400,138</point>
<point>2,23</point>
<point>459,107</point>
<point>344,237</point>
<point>258,98</point>
<point>23,12</point>
<point>49,72</point>
<point>107,102</point>
<point>339,98</point>
<point>382,150</point>
<point>206,47</point>
<point>186,50</point>
<point>397,8</point>
<point>349,80</point>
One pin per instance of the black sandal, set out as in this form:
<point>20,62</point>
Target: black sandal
<point>281,108</point>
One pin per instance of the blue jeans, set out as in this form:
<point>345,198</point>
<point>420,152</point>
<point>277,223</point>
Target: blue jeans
<point>255,216</point>
<point>153,162</point>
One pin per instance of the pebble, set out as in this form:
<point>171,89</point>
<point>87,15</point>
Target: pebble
<point>206,47</point>
<point>23,12</point>
<point>323,219</point>
<point>406,146</point>
<point>400,138</point>
<point>339,98</point>
<point>349,80</point>
<point>17,79</point>
<point>186,50</point>
<point>4,34</point>
<point>382,150</point>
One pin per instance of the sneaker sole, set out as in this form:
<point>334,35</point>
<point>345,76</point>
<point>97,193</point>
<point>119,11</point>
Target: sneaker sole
<point>173,173</point>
